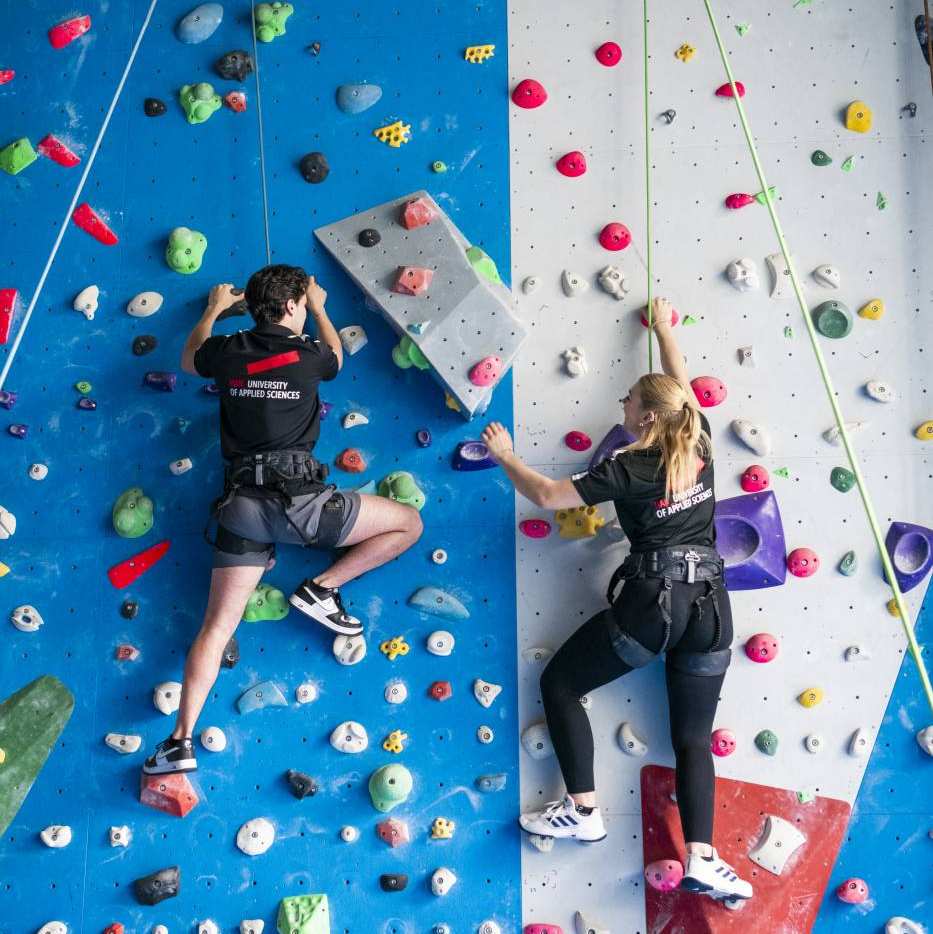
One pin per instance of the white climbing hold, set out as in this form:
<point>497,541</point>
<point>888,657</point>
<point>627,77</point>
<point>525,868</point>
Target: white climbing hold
<point>349,737</point>
<point>439,556</point>
<point>586,702</point>
<point>612,280</point>
<point>575,361</point>
<point>120,836</point>
<point>880,391</point>
<point>26,618</point>
<point>214,739</point>
<point>396,692</point>
<point>834,435</point>
<point>353,338</point>
<point>86,301</point>
<point>584,924</point>
<point>537,741</point>
<point>160,929</point>
<point>530,284</point>
<point>541,844</point>
<point>306,692</point>
<point>857,653</point>
<point>746,356</point>
<point>813,743</point>
<point>124,742</point>
<point>859,743</point>
<point>255,836</point>
<point>743,275</point>
<point>349,650</point>
<point>485,692</point>
<point>182,465</point>
<point>536,654</point>
<point>53,927</point>
<point>167,697</point>
<point>779,841</point>
<point>925,740</point>
<point>753,436</point>
<point>38,471</point>
<point>827,276</point>
<point>573,284</point>
<point>442,881</point>
<point>7,523</point>
<point>630,742</point>
<point>489,927</point>
<point>256,926</point>
<point>901,925</point>
<point>56,836</point>
<point>440,642</point>
<point>780,274</point>
<point>485,734</point>
<point>144,304</point>
<point>354,420</point>
<point>208,927</point>
<point>349,834</point>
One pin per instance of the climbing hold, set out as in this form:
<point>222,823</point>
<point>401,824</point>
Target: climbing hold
<point>755,479</point>
<point>396,692</point>
<point>530,284</point>
<point>762,647</point>
<point>440,690</point>
<point>270,20</point>
<point>56,836</point>
<point>858,117</point>
<point>609,54</point>
<point>674,318</point>
<point>132,513</point>
<point>489,927</point>
<point>394,647</point>
<point>368,237</point>
<point>442,881</point>
<point>38,471</point>
<point>303,914</point>
<point>395,742</point>
<point>925,740</point>
<point>857,653</point>
<point>355,98</point>
<point>614,237</point>
<point>762,197</point>
<point>477,54</point>
<point>125,743</point>
<point>575,361</point>
<point>708,390</point>
<point>166,697</point>
<point>314,168</point>
<point>573,284</point>
<point>813,743</point>
<point>779,840</point>
<point>213,739</point>
<point>349,650</point>
<point>390,786</point>
<point>739,200</point>
<point>91,222</point>
<point>351,460</point>
<point>536,741</point>
<point>579,521</point>
<point>578,441</point>
<point>746,356</point>
<point>26,618</point>
<point>440,642</point>
<point>200,23</point>
<point>120,836</point>
<point>488,784</point>
<point>743,275</point>
<point>439,556</point>
<point>159,379</point>
<point>780,274</point>
<point>417,213</point>
<point>157,886</point>
<point>349,834</point>
<point>199,101</point>
<point>354,420</point>
<point>153,107</point>
<point>412,280</point>
<point>88,405</point>
<point>842,479</point>
<point>753,436</point>
<point>767,742</point>
<point>231,654</point>
<point>483,265</point>
<point>859,743</point>
<point>181,466</point>
<point>263,694</point>
<point>827,276</point>
<point>664,875</point>
<point>630,742</point>
<point>872,310</point>
<point>306,692</point>
<point>853,891</point>
<point>143,305</point>
<point>83,386</point>
<point>18,431</point>
<point>848,164</point>
<point>810,697</point>
<point>685,52</point>
<point>255,836</point>
<point>236,101</point>
<point>725,90</point>
<point>392,831</point>
<point>438,602</point>
<point>393,881</point>
<point>529,94</point>
<point>803,562</point>
<point>208,927</point>
<point>924,432</point>
<point>572,164</point>
<point>54,927</point>
<point>68,30</point>
<point>53,148</point>
<point>922,28</point>
<point>353,338</point>
<point>486,693</point>
<point>472,455</point>
<point>349,737</point>
<point>898,924</point>
<point>612,280</point>
<point>820,158</point>
<point>6,75</point>
<point>880,391</point>
<point>125,652</point>
<point>394,134</point>
<point>174,794</point>
<point>486,372</point>
<point>184,251</point>
<point>722,742</point>
<point>833,435</point>
<point>235,65</point>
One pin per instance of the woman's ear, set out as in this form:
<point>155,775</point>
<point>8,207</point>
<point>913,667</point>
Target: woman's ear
<point>648,418</point>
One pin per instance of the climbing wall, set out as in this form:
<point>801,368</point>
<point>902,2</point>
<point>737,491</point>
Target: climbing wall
<point>802,64</point>
<point>151,175</point>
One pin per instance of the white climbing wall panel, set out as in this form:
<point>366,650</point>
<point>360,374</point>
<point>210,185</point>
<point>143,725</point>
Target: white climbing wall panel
<point>801,66</point>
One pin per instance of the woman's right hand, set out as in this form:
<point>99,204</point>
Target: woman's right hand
<point>662,312</point>
<point>496,437</point>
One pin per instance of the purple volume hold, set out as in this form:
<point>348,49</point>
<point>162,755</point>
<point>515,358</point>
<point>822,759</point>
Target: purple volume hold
<point>910,548</point>
<point>750,538</point>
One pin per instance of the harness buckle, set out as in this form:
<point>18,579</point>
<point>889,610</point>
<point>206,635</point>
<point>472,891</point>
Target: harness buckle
<point>692,559</point>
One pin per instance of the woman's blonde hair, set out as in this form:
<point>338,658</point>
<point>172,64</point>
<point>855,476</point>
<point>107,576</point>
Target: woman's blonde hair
<point>676,430</point>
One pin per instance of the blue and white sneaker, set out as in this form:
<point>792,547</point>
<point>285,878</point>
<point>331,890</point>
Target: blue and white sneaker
<point>710,875</point>
<point>562,819</point>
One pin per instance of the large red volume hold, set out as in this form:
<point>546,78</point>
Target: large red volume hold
<point>53,148</point>
<point>91,222</point>
<point>69,30</point>
<point>123,574</point>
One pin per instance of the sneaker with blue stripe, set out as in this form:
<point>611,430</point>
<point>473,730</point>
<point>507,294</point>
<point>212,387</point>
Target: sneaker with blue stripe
<point>710,875</point>
<point>562,819</point>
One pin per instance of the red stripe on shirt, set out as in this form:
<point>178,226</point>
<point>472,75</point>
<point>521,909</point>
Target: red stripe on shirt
<point>270,363</point>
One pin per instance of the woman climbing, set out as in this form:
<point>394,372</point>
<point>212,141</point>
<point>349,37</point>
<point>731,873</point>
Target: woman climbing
<point>672,600</point>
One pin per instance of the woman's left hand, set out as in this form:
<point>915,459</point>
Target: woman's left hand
<point>496,437</point>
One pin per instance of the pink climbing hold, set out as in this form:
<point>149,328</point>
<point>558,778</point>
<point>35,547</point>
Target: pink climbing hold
<point>674,318</point>
<point>853,891</point>
<point>529,94</point>
<point>69,30</point>
<point>578,441</point>
<point>486,372</point>
<point>615,236</point>
<point>708,390</point>
<point>725,90</point>
<point>392,831</point>
<point>664,875</point>
<point>762,647</point>
<point>803,562</point>
<point>722,743</point>
<point>91,222</point>
<point>539,928</point>
<point>755,479</point>
<point>6,74</point>
<point>572,164</point>
<point>739,200</point>
<point>417,213</point>
<point>535,528</point>
<point>8,299</point>
<point>413,280</point>
<point>609,54</point>
<point>53,148</point>
<point>236,101</point>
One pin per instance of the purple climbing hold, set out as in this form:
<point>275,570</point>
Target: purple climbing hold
<point>325,408</point>
<point>423,437</point>
<point>750,537</point>
<point>18,431</point>
<point>472,455</point>
<point>159,379</point>
<point>211,389</point>
<point>617,437</point>
<point>7,399</point>
<point>87,405</point>
<point>910,548</point>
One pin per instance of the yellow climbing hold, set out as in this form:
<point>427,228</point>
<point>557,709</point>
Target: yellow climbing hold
<point>451,402</point>
<point>579,522</point>
<point>4,569</point>
<point>442,829</point>
<point>394,647</point>
<point>811,697</point>
<point>872,310</point>
<point>475,54</point>
<point>925,431</point>
<point>395,741</point>
<point>892,608</point>
<point>858,117</point>
<point>685,52</point>
<point>394,134</point>
<point>2,756</point>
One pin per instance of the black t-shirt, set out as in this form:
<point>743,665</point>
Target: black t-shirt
<point>634,480</point>
<point>268,380</point>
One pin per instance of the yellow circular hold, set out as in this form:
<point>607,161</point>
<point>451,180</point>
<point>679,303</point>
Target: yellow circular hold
<point>892,608</point>
<point>810,697</point>
<point>872,309</point>
<point>858,117</point>
<point>925,431</point>
<point>2,756</point>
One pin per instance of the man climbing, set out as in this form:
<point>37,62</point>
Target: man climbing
<point>274,489</point>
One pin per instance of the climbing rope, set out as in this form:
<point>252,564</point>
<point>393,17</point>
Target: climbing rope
<point>14,347</point>
<point>926,14</point>
<point>648,192</point>
<point>262,147</point>
<point>915,650</point>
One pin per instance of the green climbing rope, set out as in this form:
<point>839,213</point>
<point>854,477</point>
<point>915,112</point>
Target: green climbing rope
<point>648,192</point>
<point>915,650</point>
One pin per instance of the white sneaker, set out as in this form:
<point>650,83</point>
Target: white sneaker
<point>562,819</point>
<point>714,877</point>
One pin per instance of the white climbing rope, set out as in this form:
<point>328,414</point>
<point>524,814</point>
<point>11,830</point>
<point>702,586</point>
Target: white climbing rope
<point>262,147</point>
<point>14,347</point>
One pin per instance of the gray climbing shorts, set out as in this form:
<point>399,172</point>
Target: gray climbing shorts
<point>325,518</point>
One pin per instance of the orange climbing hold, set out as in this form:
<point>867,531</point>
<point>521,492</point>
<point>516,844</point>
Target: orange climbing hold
<point>173,794</point>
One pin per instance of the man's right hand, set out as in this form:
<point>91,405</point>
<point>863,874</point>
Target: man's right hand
<point>221,298</point>
<point>316,297</point>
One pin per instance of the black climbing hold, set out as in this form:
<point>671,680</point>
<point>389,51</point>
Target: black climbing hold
<point>235,65</point>
<point>368,237</point>
<point>910,109</point>
<point>158,886</point>
<point>129,609</point>
<point>236,309</point>
<point>669,115</point>
<point>302,784</point>
<point>144,344</point>
<point>231,653</point>
<point>315,48</point>
<point>87,405</point>
<point>153,107</point>
<point>920,24</point>
<point>314,167</point>
<point>393,881</point>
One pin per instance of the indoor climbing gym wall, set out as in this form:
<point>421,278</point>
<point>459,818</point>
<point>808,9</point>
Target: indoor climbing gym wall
<point>822,733</point>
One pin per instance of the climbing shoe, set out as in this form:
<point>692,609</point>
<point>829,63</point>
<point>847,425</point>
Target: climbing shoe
<point>562,819</point>
<point>171,755</point>
<point>323,605</point>
<point>710,875</point>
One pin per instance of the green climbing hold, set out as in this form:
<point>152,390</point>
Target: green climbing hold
<point>848,164</point>
<point>132,513</point>
<point>842,479</point>
<point>688,320</point>
<point>832,319</point>
<point>31,720</point>
<point>184,251</point>
<point>270,20</point>
<point>483,265</point>
<point>400,486</point>
<point>762,198</point>
<point>304,914</point>
<point>881,202</point>
<point>15,157</point>
<point>265,603</point>
<point>767,742</point>
<point>849,564</point>
<point>390,786</point>
<point>742,28</point>
<point>782,472</point>
<point>406,354</point>
<point>820,158</point>
<point>438,166</point>
<point>198,101</point>
<point>84,387</point>
<point>788,332</point>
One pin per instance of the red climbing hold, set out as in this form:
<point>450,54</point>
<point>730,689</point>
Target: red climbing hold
<point>739,200</point>
<point>535,528</point>
<point>803,562</point>
<point>115,928</point>
<point>68,31</point>
<point>722,742</point>
<point>236,101</point>
<point>123,574</point>
<point>125,652</point>
<point>674,318</point>
<point>417,213</point>
<point>578,441</point>
<point>573,164</point>
<point>609,54</point>
<point>725,90</point>
<point>664,875</point>
<point>441,691</point>
<point>708,390</point>
<point>7,308</point>
<point>173,793</point>
<point>529,94</point>
<point>755,479</point>
<point>615,236</point>
<point>53,148</point>
<point>413,280</point>
<point>762,648</point>
<point>91,222</point>
<point>6,74</point>
<point>351,460</point>
<point>853,891</point>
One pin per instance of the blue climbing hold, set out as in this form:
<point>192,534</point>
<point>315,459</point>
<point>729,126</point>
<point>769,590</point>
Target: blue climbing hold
<point>439,603</point>
<point>491,783</point>
<point>355,98</point>
<point>472,455</point>
<point>200,23</point>
<point>264,694</point>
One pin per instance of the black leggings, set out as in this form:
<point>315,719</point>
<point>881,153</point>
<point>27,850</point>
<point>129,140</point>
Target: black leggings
<point>587,660</point>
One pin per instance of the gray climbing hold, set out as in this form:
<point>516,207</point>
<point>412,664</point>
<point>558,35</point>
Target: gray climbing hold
<point>743,275</point>
<point>231,653</point>
<point>767,742</point>
<point>584,924</point>
<point>536,655</point>
<point>200,23</point>
<point>301,784</point>
<point>537,741</point>
<point>256,926</point>
<point>125,743</point>
<point>630,742</point>
<point>157,886</point>
<point>440,642</point>
<point>144,304</point>
<point>120,836</point>
<point>181,466</point>
<point>848,565</point>
<point>827,276</point>
<point>26,618</point>
<point>354,420</point>
<point>353,338</point>
<point>859,743</point>
<point>264,694</point>
<point>880,391</point>
<point>780,274</point>
<point>86,301</point>
<point>166,697</point>
<point>612,280</point>
<point>56,836</point>
<point>746,356</point>
<point>541,844</point>
<point>213,739</point>
<point>438,602</point>
<point>778,842</point>
<point>834,436</point>
<point>813,743</point>
<point>753,436</point>
<point>530,284</point>
<point>489,784</point>
<point>349,650</point>
<point>575,361</point>
<point>925,740</point>
<point>857,653</point>
<point>7,524</point>
<point>573,284</point>
<point>355,98</point>
<point>255,836</point>
<point>349,737</point>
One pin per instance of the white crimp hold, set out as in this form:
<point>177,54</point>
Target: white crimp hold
<point>255,836</point>
<point>834,435</point>
<point>827,276</point>
<point>167,697</point>
<point>182,465</point>
<point>585,924</point>
<point>442,881</point>
<point>485,692</point>
<point>349,834</point>
<point>306,692</point>
<point>396,692</point>
<point>880,391</point>
<point>353,338</point>
<point>120,836</point>
<point>612,280</point>
<point>752,436</point>
<point>573,284</point>
<point>485,734</point>
<point>7,523</point>
<point>489,927</point>
<point>541,844</point>
<point>208,927</point>
<point>780,274</point>
<point>354,420</point>
<point>160,929</point>
<point>350,737</point>
<point>56,836</point>
<point>630,742</point>
<point>813,743</point>
<point>26,618</point>
<point>537,741</point>
<point>214,739</point>
<point>123,742</point>
<point>746,356</point>
<point>38,471</point>
<point>530,284</point>
<point>925,740</point>
<point>255,926</point>
<point>859,743</point>
<point>440,642</point>
<point>349,650</point>
<point>857,653</point>
<point>439,556</point>
<point>901,925</point>
<point>144,304</point>
<point>575,361</point>
<point>536,654</point>
<point>779,841</point>
<point>86,301</point>
<point>53,927</point>
<point>743,275</point>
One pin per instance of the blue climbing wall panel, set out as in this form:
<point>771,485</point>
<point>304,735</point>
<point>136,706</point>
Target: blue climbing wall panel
<point>150,176</point>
